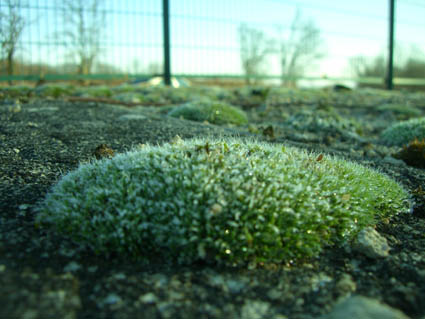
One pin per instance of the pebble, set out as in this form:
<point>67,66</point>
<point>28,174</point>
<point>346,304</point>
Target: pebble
<point>112,299</point>
<point>235,286</point>
<point>15,108</point>
<point>359,307</point>
<point>370,243</point>
<point>255,309</point>
<point>319,281</point>
<point>345,285</point>
<point>275,294</point>
<point>119,276</point>
<point>92,269</point>
<point>71,267</point>
<point>148,298</point>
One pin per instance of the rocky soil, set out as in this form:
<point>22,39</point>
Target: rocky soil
<point>44,275</point>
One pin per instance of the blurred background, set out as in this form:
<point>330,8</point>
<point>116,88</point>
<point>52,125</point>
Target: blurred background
<point>304,43</point>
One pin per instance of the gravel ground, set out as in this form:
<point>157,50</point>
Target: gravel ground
<point>42,275</point>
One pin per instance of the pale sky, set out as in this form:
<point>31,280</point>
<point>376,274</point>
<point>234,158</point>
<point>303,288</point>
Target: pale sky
<point>204,33</point>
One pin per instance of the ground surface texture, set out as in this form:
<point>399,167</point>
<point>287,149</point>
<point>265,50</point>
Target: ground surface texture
<point>42,275</point>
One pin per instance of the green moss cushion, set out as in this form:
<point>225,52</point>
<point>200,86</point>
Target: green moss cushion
<point>212,111</point>
<point>225,201</point>
<point>404,132</point>
<point>54,90</point>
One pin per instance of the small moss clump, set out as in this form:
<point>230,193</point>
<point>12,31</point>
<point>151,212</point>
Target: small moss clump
<point>228,202</point>
<point>401,111</point>
<point>15,91</point>
<point>129,97</point>
<point>402,133</point>
<point>323,119</point>
<point>214,112</point>
<point>95,91</point>
<point>54,90</point>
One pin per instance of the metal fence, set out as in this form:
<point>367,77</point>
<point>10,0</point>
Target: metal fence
<point>107,39</point>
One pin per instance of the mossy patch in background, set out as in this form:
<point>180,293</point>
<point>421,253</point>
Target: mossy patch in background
<point>15,91</point>
<point>228,202</point>
<point>401,111</point>
<point>54,90</point>
<point>95,91</point>
<point>323,120</point>
<point>402,133</point>
<point>214,112</point>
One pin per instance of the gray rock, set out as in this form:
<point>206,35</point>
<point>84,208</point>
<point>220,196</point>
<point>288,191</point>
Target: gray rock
<point>370,243</point>
<point>359,307</point>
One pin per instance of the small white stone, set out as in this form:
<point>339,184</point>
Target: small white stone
<point>370,243</point>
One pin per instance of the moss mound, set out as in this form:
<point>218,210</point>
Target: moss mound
<point>402,133</point>
<point>229,202</point>
<point>54,90</point>
<point>401,111</point>
<point>15,91</point>
<point>322,120</point>
<point>212,111</point>
<point>95,91</point>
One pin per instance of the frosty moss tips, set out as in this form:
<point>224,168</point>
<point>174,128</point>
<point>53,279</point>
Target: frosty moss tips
<point>229,202</point>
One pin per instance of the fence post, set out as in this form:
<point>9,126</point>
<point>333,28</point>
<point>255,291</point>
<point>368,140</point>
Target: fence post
<point>166,36</point>
<point>389,79</point>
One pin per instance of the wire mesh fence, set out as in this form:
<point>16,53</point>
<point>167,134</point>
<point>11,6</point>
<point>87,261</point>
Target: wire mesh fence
<point>303,42</point>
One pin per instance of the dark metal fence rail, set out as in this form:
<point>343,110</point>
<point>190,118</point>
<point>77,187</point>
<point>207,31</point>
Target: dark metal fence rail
<point>133,37</point>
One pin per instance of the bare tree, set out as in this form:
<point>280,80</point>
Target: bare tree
<point>299,50</point>
<point>154,68</point>
<point>362,66</point>
<point>84,25</point>
<point>11,26</point>
<point>254,48</point>
<point>409,63</point>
